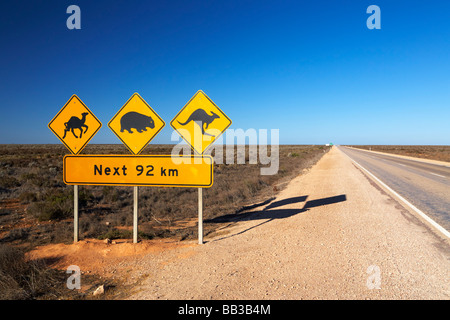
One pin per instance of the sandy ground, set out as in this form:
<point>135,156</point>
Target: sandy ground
<point>331,234</point>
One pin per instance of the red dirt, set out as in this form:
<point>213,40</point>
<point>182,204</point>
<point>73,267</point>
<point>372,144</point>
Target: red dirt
<point>99,257</point>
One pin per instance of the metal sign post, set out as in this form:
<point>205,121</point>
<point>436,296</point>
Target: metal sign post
<point>200,216</point>
<point>135,214</point>
<point>75,213</point>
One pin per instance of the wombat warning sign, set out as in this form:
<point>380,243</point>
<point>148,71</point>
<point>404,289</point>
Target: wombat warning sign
<point>136,124</point>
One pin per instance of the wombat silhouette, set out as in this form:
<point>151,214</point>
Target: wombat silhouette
<point>76,123</point>
<point>135,120</point>
<point>200,115</point>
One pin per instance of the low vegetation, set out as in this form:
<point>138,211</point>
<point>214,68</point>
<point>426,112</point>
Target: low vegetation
<point>24,279</point>
<point>20,279</point>
<point>36,207</point>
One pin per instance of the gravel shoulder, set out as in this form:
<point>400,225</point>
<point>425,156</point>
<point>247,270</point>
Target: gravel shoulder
<point>330,234</point>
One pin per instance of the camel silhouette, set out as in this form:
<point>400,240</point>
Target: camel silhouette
<point>76,123</point>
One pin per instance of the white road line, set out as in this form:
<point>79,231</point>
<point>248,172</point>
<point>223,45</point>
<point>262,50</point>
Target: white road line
<point>393,155</point>
<point>404,165</point>
<point>437,174</point>
<point>423,215</point>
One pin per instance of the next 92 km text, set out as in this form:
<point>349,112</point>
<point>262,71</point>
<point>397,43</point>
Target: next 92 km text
<point>139,170</point>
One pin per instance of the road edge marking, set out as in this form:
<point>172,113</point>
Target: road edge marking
<point>435,174</point>
<point>423,215</point>
<point>421,160</point>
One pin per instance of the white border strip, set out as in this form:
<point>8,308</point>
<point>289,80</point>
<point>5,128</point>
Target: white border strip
<point>423,215</point>
<point>399,156</point>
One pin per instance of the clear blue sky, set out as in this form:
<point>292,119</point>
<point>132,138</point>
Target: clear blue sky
<point>309,68</point>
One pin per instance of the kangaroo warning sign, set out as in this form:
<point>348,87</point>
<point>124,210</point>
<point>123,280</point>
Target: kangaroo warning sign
<point>200,122</point>
<point>75,125</point>
<point>136,124</point>
<point>139,170</point>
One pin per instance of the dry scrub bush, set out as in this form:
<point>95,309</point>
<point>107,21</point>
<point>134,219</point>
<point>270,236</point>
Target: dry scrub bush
<point>21,279</point>
<point>33,176</point>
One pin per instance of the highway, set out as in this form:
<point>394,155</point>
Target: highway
<point>425,185</point>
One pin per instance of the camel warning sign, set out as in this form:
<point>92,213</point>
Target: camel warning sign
<point>75,125</point>
<point>200,122</point>
<point>136,124</point>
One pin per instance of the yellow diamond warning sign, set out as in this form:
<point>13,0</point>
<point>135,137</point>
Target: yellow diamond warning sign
<point>200,122</point>
<point>75,125</point>
<point>136,124</point>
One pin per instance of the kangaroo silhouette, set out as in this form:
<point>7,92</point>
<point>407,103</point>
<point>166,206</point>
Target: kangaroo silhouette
<point>76,123</point>
<point>200,115</point>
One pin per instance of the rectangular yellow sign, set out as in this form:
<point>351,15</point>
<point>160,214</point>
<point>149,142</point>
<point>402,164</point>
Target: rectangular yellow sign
<point>139,170</point>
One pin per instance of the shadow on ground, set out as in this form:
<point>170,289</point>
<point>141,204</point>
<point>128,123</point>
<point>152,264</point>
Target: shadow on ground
<point>273,211</point>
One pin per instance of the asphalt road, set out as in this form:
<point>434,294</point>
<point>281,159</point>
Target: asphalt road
<point>425,185</point>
